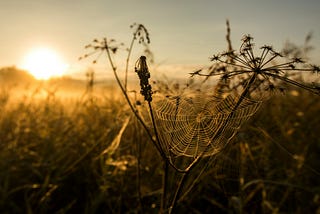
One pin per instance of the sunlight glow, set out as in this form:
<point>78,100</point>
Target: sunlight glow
<point>44,63</point>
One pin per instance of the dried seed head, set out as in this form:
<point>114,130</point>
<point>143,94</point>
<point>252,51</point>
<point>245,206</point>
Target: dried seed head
<point>315,68</point>
<point>267,47</point>
<point>141,33</point>
<point>142,70</point>
<point>247,38</point>
<point>215,58</point>
<point>297,60</point>
<point>239,66</point>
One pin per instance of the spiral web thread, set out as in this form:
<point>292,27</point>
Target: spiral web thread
<point>200,124</point>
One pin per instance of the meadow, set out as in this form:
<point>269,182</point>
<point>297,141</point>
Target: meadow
<point>91,153</point>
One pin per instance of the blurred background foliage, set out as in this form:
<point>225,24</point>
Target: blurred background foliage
<point>63,154</point>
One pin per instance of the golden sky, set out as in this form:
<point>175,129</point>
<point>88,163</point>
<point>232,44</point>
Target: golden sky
<point>183,32</point>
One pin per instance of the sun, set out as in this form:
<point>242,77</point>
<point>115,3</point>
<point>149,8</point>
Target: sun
<point>44,63</point>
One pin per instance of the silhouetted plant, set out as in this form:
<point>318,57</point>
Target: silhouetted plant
<point>111,47</point>
<point>266,69</point>
<point>298,51</point>
<point>90,74</point>
<point>192,128</point>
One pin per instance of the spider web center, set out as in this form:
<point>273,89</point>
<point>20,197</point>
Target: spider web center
<point>201,116</point>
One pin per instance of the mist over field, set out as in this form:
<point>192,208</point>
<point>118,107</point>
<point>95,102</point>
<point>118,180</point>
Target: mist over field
<point>159,107</point>
<point>76,142</point>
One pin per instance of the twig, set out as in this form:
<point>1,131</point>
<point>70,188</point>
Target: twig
<point>127,63</point>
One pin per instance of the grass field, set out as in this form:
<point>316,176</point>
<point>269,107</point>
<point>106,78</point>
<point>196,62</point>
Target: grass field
<point>248,143</point>
<point>79,155</point>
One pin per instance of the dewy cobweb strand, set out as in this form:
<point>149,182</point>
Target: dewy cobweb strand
<point>200,124</point>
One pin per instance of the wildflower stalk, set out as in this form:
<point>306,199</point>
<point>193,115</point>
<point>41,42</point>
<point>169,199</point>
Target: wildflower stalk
<point>208,163</point>
<point>166,163</point>
<point>144,74</point>
<point>146,90</point>
<point>204,168</point>
<point>157,142</point>
<point>186,173</point>
<point>142,34</point>
<point>164,186</point>
<point>178,192</point>
<point>127,63</point>
<point>124,92</point>
<point>138,150</point>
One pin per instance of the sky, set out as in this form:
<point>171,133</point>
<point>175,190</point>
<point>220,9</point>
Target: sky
<point>184,33</point>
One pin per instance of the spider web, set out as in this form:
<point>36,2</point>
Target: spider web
<point>200,124</point>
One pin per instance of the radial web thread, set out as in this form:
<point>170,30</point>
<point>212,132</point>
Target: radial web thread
<point>199,124</point>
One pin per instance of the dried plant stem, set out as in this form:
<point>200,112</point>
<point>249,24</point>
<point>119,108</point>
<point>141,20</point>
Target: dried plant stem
<point>182,181</point>
<point>138,148</point>
<point>239,101</point>
<point>228,36</point>
<point>195,181</point>
<point>164,186</point>
<point>157,142</point>
<point>167,163</point>
<point>241,178</point>
<point>127,63</point>
<point>185,175</point>
<point>177,194</point>
<point>124,92</point>
<point>245,93</point>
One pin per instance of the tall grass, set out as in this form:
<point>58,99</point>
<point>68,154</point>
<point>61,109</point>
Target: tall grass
<point>246,76</point>
<point>99,154</point>
<point>53,160</point>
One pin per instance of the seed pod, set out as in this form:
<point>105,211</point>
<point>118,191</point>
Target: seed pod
<point>143,72</point>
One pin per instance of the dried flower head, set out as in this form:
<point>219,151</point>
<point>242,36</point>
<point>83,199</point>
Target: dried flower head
<point>142,70</point>
<point>269,67</point>
<point>141,33</point>
<point>100,46</point>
